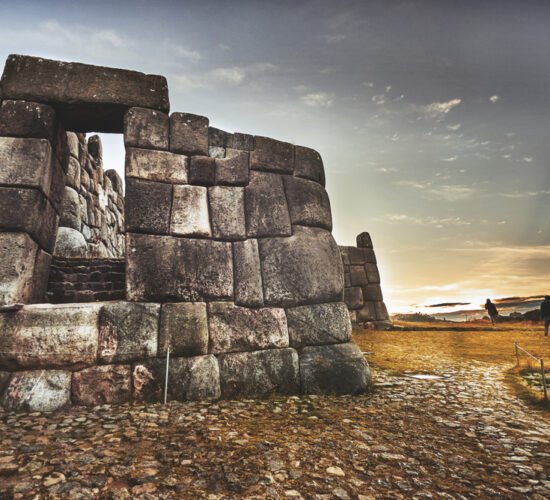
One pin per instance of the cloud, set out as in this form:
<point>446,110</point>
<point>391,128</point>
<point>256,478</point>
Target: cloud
<point>450,159</point>
<point>369,85</point>
<point>236,75</point>
<point>444,192</point>
<point>187,83</point>
<point>334,38</point>
<point>439,109</point>
<point>438,223</point>
<point>528,159</point>
<point>494,98</point>
<point>317,100</point>
<point>378,99</point>
<point>454,127</point>
<point>385,170</point>
<point>524,194</point>
<point>183,52</point>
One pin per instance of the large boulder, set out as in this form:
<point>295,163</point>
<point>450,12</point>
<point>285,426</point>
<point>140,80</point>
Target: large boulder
<point>70,243</point>
<point>98,385</point>
<point>17,260</point>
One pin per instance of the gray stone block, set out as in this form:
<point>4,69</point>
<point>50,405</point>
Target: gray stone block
<point>70,212</point>
<point>17,259</point>
<point>40,277</point>
<point>99,385</point>
<point>372,293</point>
<point>183,329</point>
<point>26,162</point>
<point>148,206</point>
<point>334,369</point>
<point>156,165</point>
<point>27,119</point>
<point>272,156</point>
<point>368,255</point>
<point>227,212</point>
<point>235,329</point>
<point>70,243</point>
<point>372,273</point>
<point>353,297</point>
<point>259,374</point>
<point>364,240</point>
<point>73,174</point>
<point>304,268</point>
<point>49,336</point>
<point>358,276</point>
<point>93,97</point>
<point>308,203</point>
<point>146,128</point>
<point>248,274</point>
<point>266,207</point>
<point>217,137</point>
<point>366,313</point>
<point>356,256</point>
<point>38,391</point>
<point>196,378</point>
<point>128,331</point>
<point>202,171</point>
<point>381,311</point>
<point>190,215</point>
<point>94,147</point>
<point>309,165</point>
<point>178,269</point>
<point>241,141</point>
<point>188,134</point>
<point>318,324</point>
<point>233,169</point>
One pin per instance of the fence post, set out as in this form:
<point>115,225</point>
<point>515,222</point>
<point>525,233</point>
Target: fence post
<point>166,377</point>
<point>517,353</point>
<point>545,389</point>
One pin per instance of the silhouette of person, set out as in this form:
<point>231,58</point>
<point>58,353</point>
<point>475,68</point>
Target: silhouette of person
<point>492,310</point>
<point>545,313</point>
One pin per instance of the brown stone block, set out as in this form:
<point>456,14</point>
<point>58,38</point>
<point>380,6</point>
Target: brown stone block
<point>266,206</point>
<point>304,268</point>
<point>372,293</point>
<point>358,276</point>
<point>308,203</point>
<point>28,210</point>
<point>217,138</point>
<point>248,275</point>
<point>70,210</point>
<point>353,297</point>
<point>356,256</point>
<point>364,240</point>
<point>366,313</point>
<point>183,329</point>
<point>309,165</point>
<point>233,169</point>
<point>188,134</point>
<point>372,273</point>
<point>202,171</point>
<point>148,206</point>
<point>86,97</point>
<point>381,311</point>
<point>99,385</point>
<point>272,156</point>
<point>244,142</point>
<point>166,268</point>
<point>40,276</point>
<point>227,212</point>
<point>27,119</point>
<point>259,374</point>
<point>190,216</point>
<point>156,166</point>
<point>17,260</point>
<point>146,128</point>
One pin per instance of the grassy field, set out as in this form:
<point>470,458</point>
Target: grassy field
<point>444,344</point>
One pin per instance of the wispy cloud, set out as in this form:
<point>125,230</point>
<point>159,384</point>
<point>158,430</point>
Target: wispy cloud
<point>494,98</point>
<point>451,158</point>
<point>317,100</point>
<point>334,38</point>
<point>437,222</point>
<point>528,159</point>
<point>445,192</point>
<point>524,194</point>
<point>454,127</point>
<point>183,52</point>
<point>438,110</point>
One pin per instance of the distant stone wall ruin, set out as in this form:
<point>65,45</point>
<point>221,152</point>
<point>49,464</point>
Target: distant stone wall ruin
<point>363,291</point>
<point>230,260</point>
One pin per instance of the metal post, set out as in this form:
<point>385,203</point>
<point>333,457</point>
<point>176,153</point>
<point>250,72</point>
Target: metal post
<point>166,378</point>
<point>517,353</point>
<point>545,389</point>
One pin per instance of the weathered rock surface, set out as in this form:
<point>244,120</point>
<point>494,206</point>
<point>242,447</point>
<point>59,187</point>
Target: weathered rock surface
<point>190,216</point>
<point>188,134</point>
<point>233,169</point>
<point>353,297</point>
<point>308,203</point>
<point>318,324</point>
<point>303,269</point>
<point>156,165</point>
<point>334,369</point>
<point>266,207</point>
<point>183,329</point>
<point>128,331</point>
<point>241,141</point>
<point>259,373</point>
<point>309,165</point>
<point>248,273</point>
<point>38,391</point>
<point>27,119</point>
<point>17,258</point>
<point>98,385</point>
<point>227,212</point>
<point>235,329</point>
<point>148,206</point>
<point>202,171</point>
<point>146,128</point>
<point>49,336</point>
<point>88,97</point>
<point>272,156</point>
<point>70,243</point>
<point>175,269</point>
<point>358,276</point>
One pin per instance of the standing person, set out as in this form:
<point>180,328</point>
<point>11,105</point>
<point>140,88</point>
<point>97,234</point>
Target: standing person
<point>492,310</point>
<point>545,313</point>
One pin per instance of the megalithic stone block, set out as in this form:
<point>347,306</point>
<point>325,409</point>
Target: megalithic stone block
<point>353,297</point>
<point>17,260</point>
<point>227,212</point>
<point>304,268</point>
<point>27,119</point>
<point>248,274</point>
<point>308,203</point>
<point>86,97</point>
<point>233,169</point>
<point>272,156</point>
<point>309,165</point>
<point>190,216</point>
<point>334,369</point>
<point>99,385</point>
<point>164,268</point>
<point>156,165</point>
<point>202,171</point>
<point>364,240</point>
<point>148,206</point>
<point>146,128</point>
<point>189,134</point>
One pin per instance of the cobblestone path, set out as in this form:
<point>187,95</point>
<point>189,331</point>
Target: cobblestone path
<point>464,436</point>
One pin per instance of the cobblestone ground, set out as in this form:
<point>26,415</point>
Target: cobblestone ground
<point>465,436</point>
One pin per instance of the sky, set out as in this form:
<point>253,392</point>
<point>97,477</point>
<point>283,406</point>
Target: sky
<point>432,117</point>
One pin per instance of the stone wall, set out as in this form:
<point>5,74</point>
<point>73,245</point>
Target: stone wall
<point>92,218</point>
<point>363,292</point>
<point>230,260</point>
